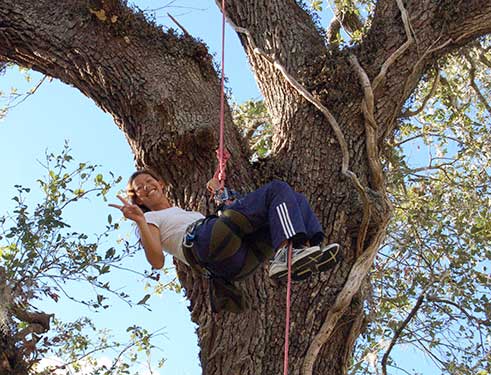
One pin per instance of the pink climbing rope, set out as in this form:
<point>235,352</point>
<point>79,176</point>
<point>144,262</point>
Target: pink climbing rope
<point>222,159</point>
<point>288,298</point>
<point>221,154</point>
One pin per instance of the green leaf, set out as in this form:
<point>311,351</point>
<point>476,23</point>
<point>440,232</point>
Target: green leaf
<point>110,253</point>
<point>144,300</point>
<point>316,5</point>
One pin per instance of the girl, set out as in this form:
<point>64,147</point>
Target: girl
<point>231,246</point>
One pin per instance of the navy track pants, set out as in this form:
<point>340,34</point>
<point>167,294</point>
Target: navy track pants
<point>274,212</point>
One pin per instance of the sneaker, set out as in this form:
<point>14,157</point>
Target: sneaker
<point>304,258</point>
<point>329,257</point>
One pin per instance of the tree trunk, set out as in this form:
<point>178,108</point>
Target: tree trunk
<point>163,93</point>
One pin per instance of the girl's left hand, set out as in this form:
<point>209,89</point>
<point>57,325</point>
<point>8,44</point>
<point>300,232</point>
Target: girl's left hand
<point>130,211</point>
<point>213,185</point>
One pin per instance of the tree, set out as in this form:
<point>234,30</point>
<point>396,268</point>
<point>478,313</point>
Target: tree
<point>335,111</point>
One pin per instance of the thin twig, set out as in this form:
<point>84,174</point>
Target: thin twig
<point>431,167</point>
<point>399,330</point>
<point>178,24</point>
<point>434,85</point>
<point>474,85</point>
<point>410,80</point>
<point>29,93</point>
<point>422,135</point>
<point>464,311</point>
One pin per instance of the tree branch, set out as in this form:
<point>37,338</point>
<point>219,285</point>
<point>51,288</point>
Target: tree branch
<point>484,322</point>
<point>435,27</point>
<point>483,59</point>
<point>111,61</point>
<point>332,34</point>
<point>434,85</point>
<point>401,328</point>
<point>345,16</point>
<point>365,257</point>
<point>337,131</point>
<point>474,85</point>
<point>410,40</point>
<point>11,104</point>
<point>251,128</point>
<point>302,91</point>
<point>414,75</point>
<point>178,24</point>
<point>285,34</point>
<point>40,318</point>
<point>345,12</point>
<point>422,135</point>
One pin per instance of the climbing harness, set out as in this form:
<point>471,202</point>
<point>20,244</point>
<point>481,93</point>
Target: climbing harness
<point>225,195</point>
<point>224,295</point>
<point>190,234</point>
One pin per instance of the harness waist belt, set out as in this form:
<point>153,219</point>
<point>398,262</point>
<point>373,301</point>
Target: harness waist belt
<point>224,295</point>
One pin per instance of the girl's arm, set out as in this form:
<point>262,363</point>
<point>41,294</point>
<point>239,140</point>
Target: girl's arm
<point>149,233</point>
<point>150,239</point>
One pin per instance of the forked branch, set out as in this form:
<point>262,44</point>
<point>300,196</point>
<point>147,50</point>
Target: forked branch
<point>410,40</point>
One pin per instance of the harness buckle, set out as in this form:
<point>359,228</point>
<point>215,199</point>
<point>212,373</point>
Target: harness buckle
<point>225,196</point>
<point>190,234</point>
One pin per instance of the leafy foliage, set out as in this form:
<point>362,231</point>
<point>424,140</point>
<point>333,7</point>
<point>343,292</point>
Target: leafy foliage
<point>41,257</point>
<point>255,124</point>
<point>353,18</point>
<point>431,284</point>
<point>13,98</point>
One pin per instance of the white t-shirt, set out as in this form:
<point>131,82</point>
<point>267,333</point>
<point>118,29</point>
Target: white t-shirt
<point>172,223</point>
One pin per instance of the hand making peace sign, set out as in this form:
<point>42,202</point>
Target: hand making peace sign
<point>130,211</point>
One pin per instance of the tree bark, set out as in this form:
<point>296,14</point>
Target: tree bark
<point>163,93</point>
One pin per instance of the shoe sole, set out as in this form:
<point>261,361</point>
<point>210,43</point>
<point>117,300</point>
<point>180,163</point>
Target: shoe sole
<point>301,265</point>
<point>329,257</point>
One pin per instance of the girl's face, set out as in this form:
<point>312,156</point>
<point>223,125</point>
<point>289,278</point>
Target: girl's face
<point>148,190</point>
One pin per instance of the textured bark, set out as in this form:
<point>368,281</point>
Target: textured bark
<point>164,95</point>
